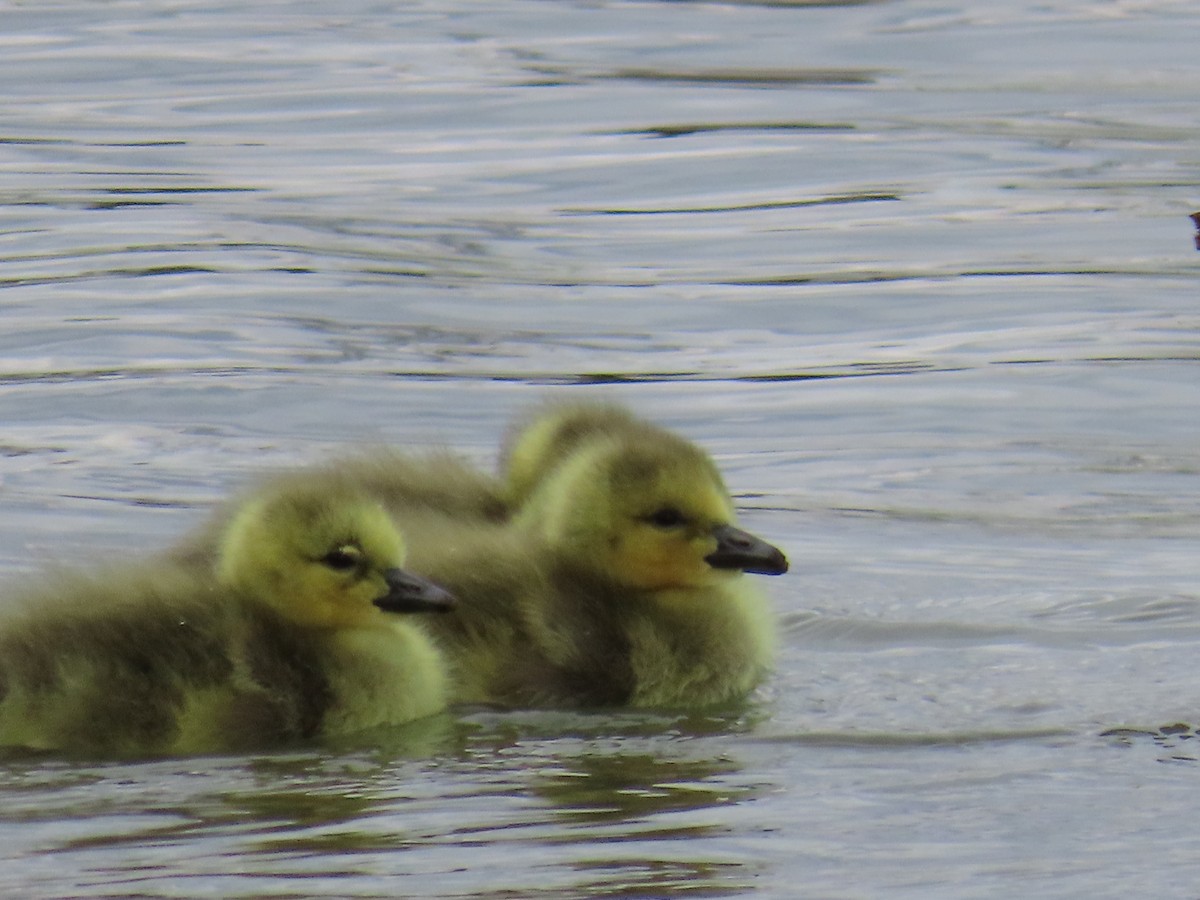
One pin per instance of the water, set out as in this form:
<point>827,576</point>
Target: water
<point>919,274</point>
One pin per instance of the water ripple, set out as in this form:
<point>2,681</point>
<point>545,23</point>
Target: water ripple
<point>781,77</point>
<point>745,207</point>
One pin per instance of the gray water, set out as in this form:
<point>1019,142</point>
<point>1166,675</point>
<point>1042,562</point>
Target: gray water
<point>919,274</point>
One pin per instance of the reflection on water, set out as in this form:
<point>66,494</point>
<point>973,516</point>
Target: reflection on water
<point>639,815</point>
<point>579,801</point>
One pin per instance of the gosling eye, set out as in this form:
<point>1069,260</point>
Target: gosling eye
<point>343,558</point>
<point>667,517</point>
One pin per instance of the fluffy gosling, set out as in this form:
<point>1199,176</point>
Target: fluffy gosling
<point>617,581</point>
<point>290,634</point>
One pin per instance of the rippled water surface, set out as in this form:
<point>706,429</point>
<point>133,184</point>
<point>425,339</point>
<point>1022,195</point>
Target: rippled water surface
<point>920,275</point>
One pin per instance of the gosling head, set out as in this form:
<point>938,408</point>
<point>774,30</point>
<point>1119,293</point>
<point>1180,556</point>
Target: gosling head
<point>649,510</point>
<point>323,557</point>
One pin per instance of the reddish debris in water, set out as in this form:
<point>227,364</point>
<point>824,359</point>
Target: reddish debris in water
<point>1196,222</point>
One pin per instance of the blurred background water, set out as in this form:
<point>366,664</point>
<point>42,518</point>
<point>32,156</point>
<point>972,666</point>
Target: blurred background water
<point>919,274</point>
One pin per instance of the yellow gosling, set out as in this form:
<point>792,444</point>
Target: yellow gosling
<point>618,581</point>
<point>293,633</point>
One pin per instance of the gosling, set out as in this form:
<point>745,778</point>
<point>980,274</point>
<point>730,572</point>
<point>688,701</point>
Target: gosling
<point>617,580</point>
<point>291,633</point>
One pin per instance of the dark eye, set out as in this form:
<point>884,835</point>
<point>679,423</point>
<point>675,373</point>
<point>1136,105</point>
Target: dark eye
<point>667,517</point>
<point>342,559</point>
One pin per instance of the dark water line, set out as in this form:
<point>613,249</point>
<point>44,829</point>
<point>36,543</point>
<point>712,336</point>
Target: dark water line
<point>884,740</point>
<point>688,129</point>
<point>192,247</point>
<point>854,370</point>
<point>882,277</point>
<point>837,200</point>
<point>73,142</point>
<point>783,281</point>
<point>747,77</point>
<point>120,273</point>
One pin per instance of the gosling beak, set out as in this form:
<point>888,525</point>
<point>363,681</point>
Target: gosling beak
<point>409,593</point>
<point>737,549</point>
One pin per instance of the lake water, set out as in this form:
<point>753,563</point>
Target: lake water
<point>919,274</point>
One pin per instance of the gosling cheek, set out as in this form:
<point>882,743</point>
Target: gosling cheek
<point>369,592</point>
